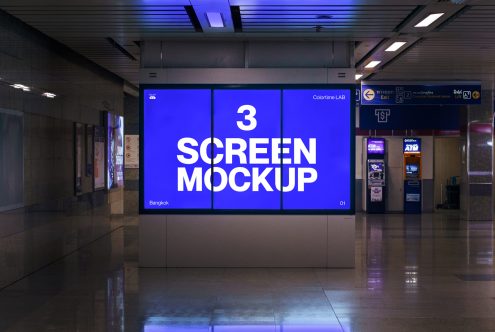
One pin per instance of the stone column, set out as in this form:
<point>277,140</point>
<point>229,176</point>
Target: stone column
<point>131,175</point>
<point>477,159</point>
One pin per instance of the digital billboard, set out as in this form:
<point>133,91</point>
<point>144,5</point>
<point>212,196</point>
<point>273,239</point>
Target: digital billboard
<point>376,146</point>
<point>115,154</point>
<point>249,149</point>
<point>99,158</point>
<point>411,145</point>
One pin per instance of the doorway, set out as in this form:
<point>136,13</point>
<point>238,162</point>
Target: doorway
<point>447,166</point>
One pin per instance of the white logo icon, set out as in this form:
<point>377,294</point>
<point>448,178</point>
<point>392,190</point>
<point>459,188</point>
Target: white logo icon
<point>466,95</point>
<point>382,115</point>
<point>411,148</point>
<point>152,97</point>
<point>369,94</point>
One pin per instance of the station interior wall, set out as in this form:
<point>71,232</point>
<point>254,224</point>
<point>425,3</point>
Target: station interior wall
<point>83,90</point>
<point>49,226</point>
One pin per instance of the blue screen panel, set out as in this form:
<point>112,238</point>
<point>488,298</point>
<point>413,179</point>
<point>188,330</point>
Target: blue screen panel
<point>318,170</point>
<point>245,122</point>
<point>176,123</point>
<point>275,148</point>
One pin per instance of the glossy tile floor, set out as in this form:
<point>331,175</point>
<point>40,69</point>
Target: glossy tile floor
<point>432,272</point>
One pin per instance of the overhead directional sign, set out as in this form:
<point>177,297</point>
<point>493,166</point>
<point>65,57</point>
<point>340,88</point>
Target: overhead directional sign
<point>427,117</point>
<point>463,93</point>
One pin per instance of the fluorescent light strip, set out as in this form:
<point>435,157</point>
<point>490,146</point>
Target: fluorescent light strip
<point>21,86</point>
<point>49,95</point>
<point>395,46</point>
<point>358,76</point>
<point>372,64</point>
<point>215,19</point>
<point>429,20</point>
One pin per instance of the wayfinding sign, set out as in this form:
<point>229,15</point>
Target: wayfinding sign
<point>384,93</point>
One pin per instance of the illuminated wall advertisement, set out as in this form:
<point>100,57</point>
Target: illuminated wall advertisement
<point>411,145</point>
<point>99,158</point>
<point>266,148</point>
<point>115,140</point>
<point>376,146</point>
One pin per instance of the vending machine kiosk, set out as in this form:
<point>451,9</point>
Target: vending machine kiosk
<point>412,175</point>
<point>375,166</point>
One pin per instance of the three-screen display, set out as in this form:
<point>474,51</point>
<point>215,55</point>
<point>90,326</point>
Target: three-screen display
<point>224,149</point>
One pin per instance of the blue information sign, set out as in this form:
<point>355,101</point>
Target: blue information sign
<point>434,94</point>
<point>411,145</point>
<point>427,117</point>
<point>270,149</point>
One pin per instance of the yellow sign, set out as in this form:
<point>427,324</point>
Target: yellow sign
<point>369,94</point>
<point>476,94</point>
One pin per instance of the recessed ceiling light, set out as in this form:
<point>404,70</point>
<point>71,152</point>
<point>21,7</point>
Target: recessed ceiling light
<point>428,20</point>
<point>215,19</point>
<point>21,86</point>
<point>49,95</point>
<point>358,76</point>
<point>372,64</point>
<point>395,46</point>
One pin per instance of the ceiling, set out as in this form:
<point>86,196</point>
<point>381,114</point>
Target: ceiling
<point>460,45</point>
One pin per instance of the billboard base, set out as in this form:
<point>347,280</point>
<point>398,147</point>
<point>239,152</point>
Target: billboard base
<point>324,241</point>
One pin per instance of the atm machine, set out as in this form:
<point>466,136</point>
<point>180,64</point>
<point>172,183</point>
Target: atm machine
<point>412,175</point>
<point>375,182</point>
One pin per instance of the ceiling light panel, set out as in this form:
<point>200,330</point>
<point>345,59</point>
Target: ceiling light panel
<point>214,16</point>
<point>428,20</point>
<point>49,95</point>
<point>215,19</point>
<point>395,46</point>
<point>372,64</point>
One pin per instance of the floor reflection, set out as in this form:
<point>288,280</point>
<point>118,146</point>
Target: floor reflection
<point>413,273</point>
<point>480,242</point>
<point>375,257</point>
<point>115,301</point>
<point>242,328</point>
